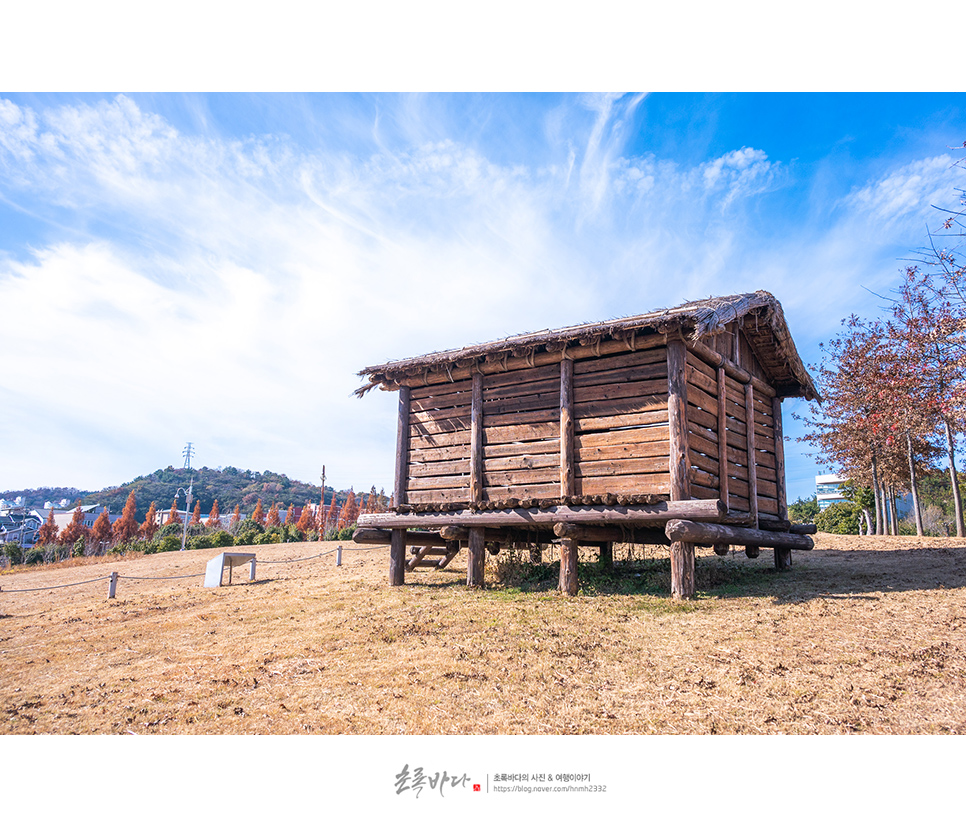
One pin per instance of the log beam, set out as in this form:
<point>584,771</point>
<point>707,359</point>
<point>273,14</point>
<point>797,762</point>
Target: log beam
<point>698,533</point>
<point>369,535</point>
<point>642,515</point>
<point>588,534</point>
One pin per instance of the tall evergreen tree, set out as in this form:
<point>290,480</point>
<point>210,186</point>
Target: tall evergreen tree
<point>214,518</point>
<point>126,527</point>
<point>150,524</point>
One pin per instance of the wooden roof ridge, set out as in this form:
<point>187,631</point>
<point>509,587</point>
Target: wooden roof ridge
<point>694,318</point>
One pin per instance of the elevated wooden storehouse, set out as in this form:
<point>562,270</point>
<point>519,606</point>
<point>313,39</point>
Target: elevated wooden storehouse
<point>659,428</point>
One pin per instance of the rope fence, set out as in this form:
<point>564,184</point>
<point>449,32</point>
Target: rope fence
<point>115,576</point>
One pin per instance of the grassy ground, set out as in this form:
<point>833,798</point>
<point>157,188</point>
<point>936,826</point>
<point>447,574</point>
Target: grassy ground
<point>859,637</point>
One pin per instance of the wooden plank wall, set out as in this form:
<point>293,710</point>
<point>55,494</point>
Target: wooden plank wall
<point>439,443</point>
<point>621,423</point>
<point>703,428</point>
<point>521,433</point>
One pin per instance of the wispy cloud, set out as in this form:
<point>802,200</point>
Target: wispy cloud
<point>224,290</point>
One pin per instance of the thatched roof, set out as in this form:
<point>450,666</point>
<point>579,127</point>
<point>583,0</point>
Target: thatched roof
<point>763,322</point>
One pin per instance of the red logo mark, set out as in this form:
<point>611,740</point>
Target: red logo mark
<point>476,787</point>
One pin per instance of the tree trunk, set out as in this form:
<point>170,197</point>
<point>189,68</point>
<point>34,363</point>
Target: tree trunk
<point>954,478</point>
<point>877,495</point>
<point>868,522</point>
<point>894,509</point>
<point>912,484</point>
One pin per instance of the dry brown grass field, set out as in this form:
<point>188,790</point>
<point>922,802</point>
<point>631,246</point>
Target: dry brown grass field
<point>861,636</point>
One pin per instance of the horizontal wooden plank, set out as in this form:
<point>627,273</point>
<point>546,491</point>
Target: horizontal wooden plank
<point>418,469</point>
<point>516,405</point>
<point>618,391</point>
<point>437,496</point>
<point>519,462</point>
<point>443,453</point>
<point>634,373</point>
<point>460,399</point>
<point>653,415</point>
<point>767,489</point>
<point>505,379</point>
<point>418,439</point>
<point>522,491</point>
<point>547,430</point>
<point>521,418</point>
<point>548,389</point>
<point>659,483</point>
<point>533,447</point>
<point>701,445</point>
<point>639,358</point>
<point>609,408</point>
<point>438,482</point>
<point>521,476</point>
<point>625,451</point>
<point>424,424</point>
<point>707,384</point>
<point>706,464</point>
<point>418,392</point>
<point>608,468</point>
<point>698,491</point>
<point>696,362</point>
<point>702,478</point>
<point>620,436</point>
<point>768,505</point>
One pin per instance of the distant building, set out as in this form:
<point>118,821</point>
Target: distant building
<point>828,490</point>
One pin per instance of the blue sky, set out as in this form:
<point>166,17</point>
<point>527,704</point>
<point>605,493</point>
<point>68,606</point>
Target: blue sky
<point>216,268</point>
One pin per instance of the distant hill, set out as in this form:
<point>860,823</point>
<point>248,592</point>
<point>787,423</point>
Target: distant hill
<point>230,486</point>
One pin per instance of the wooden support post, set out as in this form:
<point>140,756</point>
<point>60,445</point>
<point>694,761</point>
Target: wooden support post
<point>476,440</point>
<point>566,427</point>
<point>682,553</point>
<point>606,558</point>
<point>776,410</point>
<point>568,567</point>
<point>677,407</point>
<point>477,562</point>
<point>112,588</point>
<point>402,448</point>
<point>397,557</point>
<point>750,446</point>
<point>682,570</point>
<point>752,551</point>
<point>783,558</point>
<point>723,482</point>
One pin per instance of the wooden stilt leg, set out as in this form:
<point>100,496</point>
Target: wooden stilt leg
<point>397,557</point>
<point>477,559</point>
<point>682,570</point>
<point>783,558</point>
<point>568,567</point>
<point>606,558</point>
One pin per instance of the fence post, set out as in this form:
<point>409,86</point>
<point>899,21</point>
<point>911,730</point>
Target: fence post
<point>113,586</point>
<point>338,555</point>
<point>251,576</point>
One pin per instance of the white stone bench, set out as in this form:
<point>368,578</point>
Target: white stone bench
<point>215,571</point>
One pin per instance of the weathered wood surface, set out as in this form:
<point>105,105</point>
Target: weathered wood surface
<point>780,486</point>
<point>682,570</point>
<point>679,466</point>
<point>704,533</point>
<point>476,439</point>
<point>568,567</point>
<point>604,347</point>
<point>397,557</point>
<point>588,533</point>
<point>752,464</point>
<point>402,448</point>
<point>369,535</point>
<point>653,514</point>
<point>567,471</point>
<point>477,559</point>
